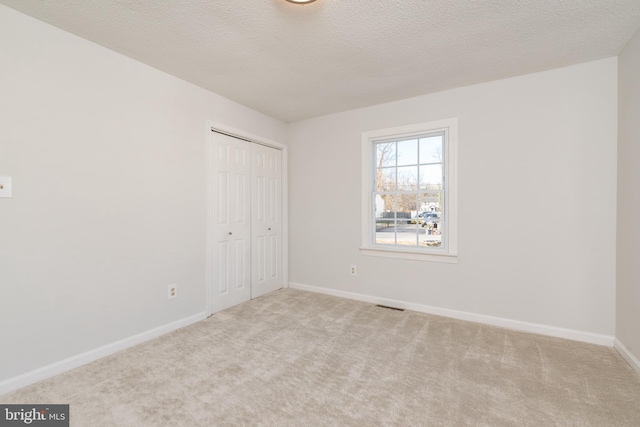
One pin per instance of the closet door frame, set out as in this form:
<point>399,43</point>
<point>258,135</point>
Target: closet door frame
<point>211,126</point>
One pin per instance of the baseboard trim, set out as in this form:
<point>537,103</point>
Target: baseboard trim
<point>56,368</point>
<point>627,355</point>
<point>517,325</point>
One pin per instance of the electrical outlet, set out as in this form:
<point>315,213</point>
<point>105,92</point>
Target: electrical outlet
<point>5,186</point>
<point>354,270</point>
<point>172,292</point>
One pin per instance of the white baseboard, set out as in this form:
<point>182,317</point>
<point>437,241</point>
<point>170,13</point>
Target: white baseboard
<point>517,325</point>
<point>56,368</point>
<point>627,355</point>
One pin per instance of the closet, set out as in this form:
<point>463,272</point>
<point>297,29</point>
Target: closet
<point>246,210</point>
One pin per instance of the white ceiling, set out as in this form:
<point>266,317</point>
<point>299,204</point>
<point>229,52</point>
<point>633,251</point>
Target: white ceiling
<point>294,62</point>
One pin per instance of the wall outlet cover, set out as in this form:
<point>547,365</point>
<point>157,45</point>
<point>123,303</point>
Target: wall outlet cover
<point>172,292</point>
<point>5,186</point>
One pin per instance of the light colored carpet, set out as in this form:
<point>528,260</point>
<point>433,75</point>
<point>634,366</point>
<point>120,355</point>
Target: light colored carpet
<point>294,358</point>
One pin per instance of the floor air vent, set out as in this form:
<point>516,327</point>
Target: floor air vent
<point>390,308</point>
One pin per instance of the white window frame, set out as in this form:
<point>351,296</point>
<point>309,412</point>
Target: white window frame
<point>448,253</point>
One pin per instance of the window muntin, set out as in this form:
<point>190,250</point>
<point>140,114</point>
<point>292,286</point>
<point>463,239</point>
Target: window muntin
<point>408,191</point>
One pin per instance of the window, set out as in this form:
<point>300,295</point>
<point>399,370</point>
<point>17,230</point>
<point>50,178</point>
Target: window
<point>409,192</point>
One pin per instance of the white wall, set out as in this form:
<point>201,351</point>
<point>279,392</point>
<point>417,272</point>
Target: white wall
<point>628,271</point>
<point>107,157</point>
<point>537,196</point>
<point>108,161</point>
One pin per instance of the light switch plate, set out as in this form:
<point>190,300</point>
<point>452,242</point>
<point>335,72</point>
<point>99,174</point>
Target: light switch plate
<point>5,186</point>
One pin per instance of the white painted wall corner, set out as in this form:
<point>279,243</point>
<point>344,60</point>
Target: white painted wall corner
<point>627,355</point>
<point>65,365</point>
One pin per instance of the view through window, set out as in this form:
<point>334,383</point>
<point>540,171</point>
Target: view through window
<point>408,194</point>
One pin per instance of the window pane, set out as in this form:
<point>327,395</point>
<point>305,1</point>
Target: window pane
<point>389,206</point>
<point>406,232</point>
<point>431,216</point>
<point>407,178</point>
<point>386,223</point>
<point>378,206</point>
<point>385,154</point>
<point>431,149</point>
<point>406,206</point>
<point>431,177</point>
<point>386,179</point>
<point>408,152</point>
<point>385,231</point>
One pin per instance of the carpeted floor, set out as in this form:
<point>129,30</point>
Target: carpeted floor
<point>293,358</point>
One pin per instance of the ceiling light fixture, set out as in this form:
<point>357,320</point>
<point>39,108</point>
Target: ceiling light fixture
<point>301,1</point>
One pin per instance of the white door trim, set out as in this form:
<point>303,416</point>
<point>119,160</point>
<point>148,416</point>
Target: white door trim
<point>211,125</point>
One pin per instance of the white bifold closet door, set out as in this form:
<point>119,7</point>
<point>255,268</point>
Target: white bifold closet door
<point>247,211</point>
<point>266,221</point>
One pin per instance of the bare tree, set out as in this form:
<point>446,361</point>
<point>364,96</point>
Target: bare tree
<point>385,153</point>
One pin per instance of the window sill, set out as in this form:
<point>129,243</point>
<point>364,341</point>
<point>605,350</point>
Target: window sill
<point>444,257</point>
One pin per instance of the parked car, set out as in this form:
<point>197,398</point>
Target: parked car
<point>418,218</point>
<point>430,216</point>
<point>424,217</point>
<point>431,220</point>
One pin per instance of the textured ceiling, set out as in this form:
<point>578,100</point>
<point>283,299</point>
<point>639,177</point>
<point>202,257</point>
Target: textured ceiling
<point>299,61</point>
